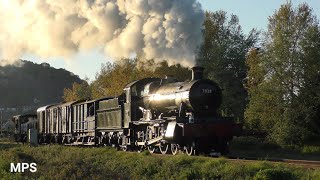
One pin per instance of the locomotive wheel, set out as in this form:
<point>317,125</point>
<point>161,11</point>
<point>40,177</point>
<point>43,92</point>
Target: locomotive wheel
<point>164,148</point>
<point>174,149</point>
<point>124,147</point>
<point>189,150</point>
<point>122,143</point>
<point>151,149</point>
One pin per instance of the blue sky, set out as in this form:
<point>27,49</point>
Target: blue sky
<point>251,13</point>
<point>254,13</point>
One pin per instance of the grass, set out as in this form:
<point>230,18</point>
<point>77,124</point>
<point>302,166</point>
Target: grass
<point>254,147</point>
<point>61,162</point>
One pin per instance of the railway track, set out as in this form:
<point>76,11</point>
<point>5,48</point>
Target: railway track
<point>303,163</point>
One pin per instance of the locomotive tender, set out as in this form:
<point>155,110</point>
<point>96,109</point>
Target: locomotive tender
<point>152,113</point>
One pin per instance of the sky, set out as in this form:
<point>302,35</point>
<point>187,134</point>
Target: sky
<point>251,13</point>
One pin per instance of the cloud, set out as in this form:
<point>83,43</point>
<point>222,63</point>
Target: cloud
<point>161,30</point>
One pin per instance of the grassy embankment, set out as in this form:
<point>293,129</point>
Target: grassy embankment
<point>254,147</point>
<point>59,162</point>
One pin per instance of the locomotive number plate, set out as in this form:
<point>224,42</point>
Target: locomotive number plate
<point>207,91</point>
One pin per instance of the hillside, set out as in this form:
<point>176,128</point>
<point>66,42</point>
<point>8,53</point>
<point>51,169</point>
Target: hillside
<point>27,85</point>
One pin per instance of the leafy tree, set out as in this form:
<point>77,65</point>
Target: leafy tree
<point>79,91</point>
<point>282,77</point>
<point>309,97</point>
<point>263,108</point>
<point>113,77</point>
<point>223,55</point>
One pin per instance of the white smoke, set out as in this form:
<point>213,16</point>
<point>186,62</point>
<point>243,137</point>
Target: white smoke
<point>154,29</point>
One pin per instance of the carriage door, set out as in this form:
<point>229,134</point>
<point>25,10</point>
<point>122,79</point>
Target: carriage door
<point>127,108</point>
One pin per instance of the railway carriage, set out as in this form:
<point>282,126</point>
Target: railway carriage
<point>44,119</point>
<point>22,124</point>
<point>66,122</point>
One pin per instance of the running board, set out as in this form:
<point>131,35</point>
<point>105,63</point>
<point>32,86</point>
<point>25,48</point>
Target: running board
<point>152,141</point>
<point>141,143</point>
<point>81,143</point>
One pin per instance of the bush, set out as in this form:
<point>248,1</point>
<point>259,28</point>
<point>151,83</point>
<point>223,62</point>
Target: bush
<point>311,149</point>
<point>287,133</point>
<point>278,174</point>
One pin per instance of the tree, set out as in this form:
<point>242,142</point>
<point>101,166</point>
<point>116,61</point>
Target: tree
<point>286,68</point>
<point>263,108</point>
<point>223,55</point>
<point>113,77</point>
<point>309,97</point>
<point>78,91</point>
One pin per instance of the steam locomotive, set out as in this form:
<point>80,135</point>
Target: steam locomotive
<point>162,115</point>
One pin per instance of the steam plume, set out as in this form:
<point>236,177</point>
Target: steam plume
<point>154,29</point>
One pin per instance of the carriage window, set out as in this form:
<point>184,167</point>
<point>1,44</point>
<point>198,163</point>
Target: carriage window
<point>134,91</point>
<point>90,111</point>
<point>54,114</point>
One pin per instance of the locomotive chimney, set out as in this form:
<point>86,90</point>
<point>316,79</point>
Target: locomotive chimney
<point>197,73</point>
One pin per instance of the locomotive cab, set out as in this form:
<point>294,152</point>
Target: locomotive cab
<point>133,93</point>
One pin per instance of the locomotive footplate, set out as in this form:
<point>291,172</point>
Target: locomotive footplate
<point>149,122</point>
